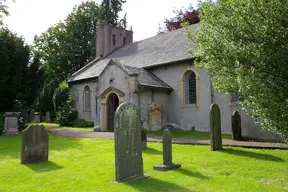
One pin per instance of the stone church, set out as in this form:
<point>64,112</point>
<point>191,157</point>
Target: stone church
<point>156,74</point>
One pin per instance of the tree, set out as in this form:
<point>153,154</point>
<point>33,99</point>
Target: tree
<point>69,45</point>
<point>243,45</point>
<point>20,72</point>
<point>110,10</point>
<point>189,15</point>
<point>3,10</point>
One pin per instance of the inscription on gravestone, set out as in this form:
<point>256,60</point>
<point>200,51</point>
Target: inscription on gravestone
<point>236,126</point>
<point>34,145</point>
<point>215,128</point>
<point>128,148</point>
<point>167,153</point>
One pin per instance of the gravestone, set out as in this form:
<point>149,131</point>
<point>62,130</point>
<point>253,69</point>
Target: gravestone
<point>48,117</point>
<point>236,126</point>
<point>145,128</point>
<point>215,128</point>
<point>128,148</point>
<point>34,145</point>
<point>155,116</point>
<point>167,153</point>
<point>36,117</point>
<point>11,123</point>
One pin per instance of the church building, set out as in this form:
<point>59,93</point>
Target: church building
<point>157,75</point>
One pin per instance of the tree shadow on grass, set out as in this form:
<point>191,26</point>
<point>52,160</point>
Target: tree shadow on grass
<point>149,150</point>
<point>152,184</point>
<point>259,156</point>
<point>44,167</point>
<point>192,174</point>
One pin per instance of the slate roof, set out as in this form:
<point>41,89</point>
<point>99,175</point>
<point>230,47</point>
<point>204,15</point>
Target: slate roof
<point>157,50</point>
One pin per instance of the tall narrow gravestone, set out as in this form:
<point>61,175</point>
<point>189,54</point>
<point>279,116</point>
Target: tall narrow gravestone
<point>128,148</point>
<point>167,153</point>
<point>215,128</point>
<point>34,145</point>
<point>236,126</point>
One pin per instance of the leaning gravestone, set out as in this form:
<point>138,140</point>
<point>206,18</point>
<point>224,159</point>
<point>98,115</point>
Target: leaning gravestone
<point>236,126</point>
<point>128,148</point>
<point>215,128</point>
<point>11,123</point>
<point>34,145</point>
<point>167,153</point>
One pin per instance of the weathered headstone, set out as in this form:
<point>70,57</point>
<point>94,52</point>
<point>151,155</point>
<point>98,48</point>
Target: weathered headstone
<point>47,117</point>
<point>155,116</point>
<point>128,149</point>
<point>11,123</point>
<point>167,153</point>
<point>36,117</point>
<point>236,126</point>
<point>34,145</point>
<point>145,128</point>
<point>215,128</point>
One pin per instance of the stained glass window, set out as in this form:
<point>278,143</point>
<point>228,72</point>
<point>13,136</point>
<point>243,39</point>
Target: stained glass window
<point>190,96</point>
<point>87,99</point>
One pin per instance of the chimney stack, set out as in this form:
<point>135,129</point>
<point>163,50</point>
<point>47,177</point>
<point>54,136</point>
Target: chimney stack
<point>110,38</point>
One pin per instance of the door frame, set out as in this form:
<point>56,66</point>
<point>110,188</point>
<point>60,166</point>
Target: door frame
<point>104,104</point>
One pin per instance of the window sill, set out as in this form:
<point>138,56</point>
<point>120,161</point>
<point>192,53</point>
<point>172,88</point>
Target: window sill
<point>190,106</point>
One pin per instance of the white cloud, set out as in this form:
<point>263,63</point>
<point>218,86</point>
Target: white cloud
<point>32,17</point>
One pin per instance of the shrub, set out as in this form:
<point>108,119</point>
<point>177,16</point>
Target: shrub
<point>63,104</point>
<point>66,113</point>
<point>81,123</point>
<point>61,95</point>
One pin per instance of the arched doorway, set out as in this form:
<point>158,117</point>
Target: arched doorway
<point>113,103</point>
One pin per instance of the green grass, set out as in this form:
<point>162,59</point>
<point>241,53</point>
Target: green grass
<point>82,129</point>
<point>88,165</point>
<point>176,133</point>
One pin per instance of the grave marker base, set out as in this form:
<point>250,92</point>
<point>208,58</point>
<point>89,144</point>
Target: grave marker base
<point>167,167</point>
<point>135,178</point>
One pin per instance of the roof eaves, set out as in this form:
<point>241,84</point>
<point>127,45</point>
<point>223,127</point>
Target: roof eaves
<point>154,86</point>
<point>170,62</point>
<point>83,68</point>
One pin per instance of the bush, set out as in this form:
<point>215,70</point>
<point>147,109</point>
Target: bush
<point>81,123</point>
<point>61,95</point>
<point>66,113</point>
<point>63,104</point>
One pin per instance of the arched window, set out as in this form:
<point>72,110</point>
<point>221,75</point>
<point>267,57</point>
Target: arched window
<point>190,92</point>
<point>87,99</point>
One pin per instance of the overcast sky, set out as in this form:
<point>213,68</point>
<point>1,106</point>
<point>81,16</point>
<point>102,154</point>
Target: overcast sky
<point>32,17</point>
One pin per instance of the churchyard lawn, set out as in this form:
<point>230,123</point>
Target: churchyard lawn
<point>88,165</point>
<point>83,129</point>
<point>176,133</point>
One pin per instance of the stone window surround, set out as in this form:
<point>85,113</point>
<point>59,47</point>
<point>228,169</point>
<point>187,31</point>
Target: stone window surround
<point>196,105</point>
